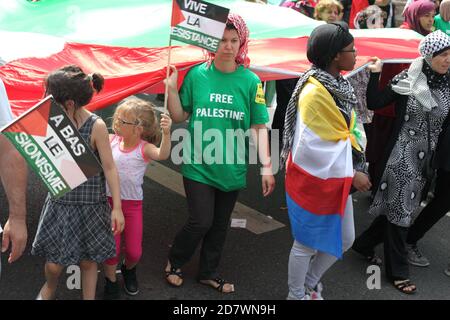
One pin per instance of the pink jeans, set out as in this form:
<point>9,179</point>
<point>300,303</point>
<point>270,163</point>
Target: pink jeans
<point>132,212</point>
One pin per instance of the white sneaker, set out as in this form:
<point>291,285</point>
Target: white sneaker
<point>305,297</point>
<point>316,293</point>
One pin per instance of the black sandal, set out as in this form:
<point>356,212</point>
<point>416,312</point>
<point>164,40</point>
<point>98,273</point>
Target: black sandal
<point>220,283</point>
<point>401,285</point>
<point>173,272</point>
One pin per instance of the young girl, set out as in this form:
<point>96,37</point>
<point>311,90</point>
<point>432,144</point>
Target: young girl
<point>76,228</point>
<point>133,146</point>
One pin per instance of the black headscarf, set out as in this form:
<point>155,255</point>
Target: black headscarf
<point>435,80</point>
<point>326,41</point>
<point>323,46</point>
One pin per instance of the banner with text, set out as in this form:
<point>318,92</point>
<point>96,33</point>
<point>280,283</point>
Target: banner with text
<point>53,147</point>
<point>198,23</point>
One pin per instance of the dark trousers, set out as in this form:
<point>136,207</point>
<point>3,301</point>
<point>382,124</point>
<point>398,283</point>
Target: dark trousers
<point>434,210</point>
<point>394,239</point>
<point>367,130</point>
<point>284,90</point>
<point>209,217</point>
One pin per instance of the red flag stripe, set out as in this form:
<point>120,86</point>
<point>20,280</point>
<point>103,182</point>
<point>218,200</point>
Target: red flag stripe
<point>129,71</point>
<point>177,14</point>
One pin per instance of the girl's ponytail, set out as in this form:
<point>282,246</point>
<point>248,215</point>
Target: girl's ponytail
<point>97,81</point>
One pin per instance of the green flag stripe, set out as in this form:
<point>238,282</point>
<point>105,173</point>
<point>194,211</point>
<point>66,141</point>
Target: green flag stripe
<point>39,162</point>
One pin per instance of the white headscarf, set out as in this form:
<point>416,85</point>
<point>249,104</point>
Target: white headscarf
<point>415,83</point>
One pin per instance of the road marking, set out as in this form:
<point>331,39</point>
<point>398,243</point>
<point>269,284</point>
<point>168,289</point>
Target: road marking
<point>256,221</point>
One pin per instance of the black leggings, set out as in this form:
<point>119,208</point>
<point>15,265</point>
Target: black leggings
<point>394,239</point>
<point>209,217</point>
<point>434,210</point>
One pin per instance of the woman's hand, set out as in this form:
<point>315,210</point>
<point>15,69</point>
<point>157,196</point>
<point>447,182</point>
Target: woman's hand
<point>361,182</point>
<point>117,221</point>
<point>268,184</point>
<point>376,65</point>
<point>166,123</point>
<point>173,78</point>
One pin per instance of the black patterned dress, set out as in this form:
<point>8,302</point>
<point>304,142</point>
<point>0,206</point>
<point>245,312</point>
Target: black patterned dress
<point>77,226</point>
<point>400,187</point>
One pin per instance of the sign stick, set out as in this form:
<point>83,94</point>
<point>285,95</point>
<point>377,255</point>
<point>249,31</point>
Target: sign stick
<point>166,94</point>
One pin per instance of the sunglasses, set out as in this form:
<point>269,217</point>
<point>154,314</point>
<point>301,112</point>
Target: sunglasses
<point>121,121</point>
<point>351,50</point>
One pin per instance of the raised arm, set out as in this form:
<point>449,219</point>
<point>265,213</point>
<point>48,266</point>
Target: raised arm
<point>163,152</point>
<point>174,104</point>
<point>377,99</point>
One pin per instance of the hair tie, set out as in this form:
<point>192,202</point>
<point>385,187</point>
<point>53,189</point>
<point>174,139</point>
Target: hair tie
<point>91,81</point>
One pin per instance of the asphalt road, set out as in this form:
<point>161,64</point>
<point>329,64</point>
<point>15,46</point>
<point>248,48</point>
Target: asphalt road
<point>256,263</point>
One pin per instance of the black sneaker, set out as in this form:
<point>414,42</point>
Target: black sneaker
<point>111,291</point>
<point>129,280</point>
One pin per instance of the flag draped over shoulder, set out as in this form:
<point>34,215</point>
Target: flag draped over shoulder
<point>319,171</point>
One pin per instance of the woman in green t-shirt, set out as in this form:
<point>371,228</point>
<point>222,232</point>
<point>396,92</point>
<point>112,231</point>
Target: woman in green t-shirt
<point>223,97</point>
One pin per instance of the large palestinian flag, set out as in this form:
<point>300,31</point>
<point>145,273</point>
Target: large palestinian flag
<point>53,148</point>
<point>127,42</point>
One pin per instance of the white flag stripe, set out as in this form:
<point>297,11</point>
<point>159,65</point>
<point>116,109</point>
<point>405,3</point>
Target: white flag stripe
<point>73,180</point>
<point>320,158</point>
<point>19,45</point>
<point>207,26</point>
<point>388,33</point>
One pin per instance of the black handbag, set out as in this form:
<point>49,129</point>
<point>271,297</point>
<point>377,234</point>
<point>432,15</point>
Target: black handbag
<point>428,172</point>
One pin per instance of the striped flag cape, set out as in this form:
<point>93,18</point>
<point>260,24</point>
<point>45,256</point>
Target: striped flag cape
<point>319,170</point>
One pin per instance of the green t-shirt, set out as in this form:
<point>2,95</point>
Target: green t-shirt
<point>441,24</point>
<point>223,106</point>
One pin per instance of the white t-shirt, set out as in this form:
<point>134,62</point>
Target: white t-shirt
<point>5,112</point>
<point>131,166</point>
